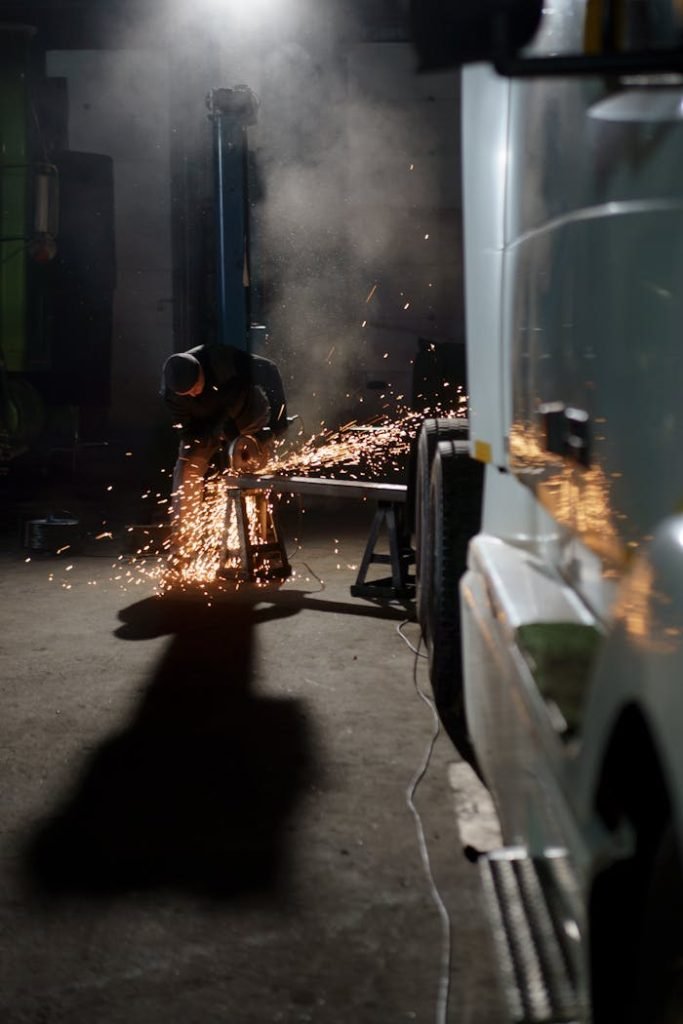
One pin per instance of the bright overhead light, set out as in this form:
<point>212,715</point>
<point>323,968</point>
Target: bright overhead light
<point>245,14</point>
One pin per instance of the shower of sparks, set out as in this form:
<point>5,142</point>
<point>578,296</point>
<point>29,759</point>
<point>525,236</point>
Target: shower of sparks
<point>195,549</point>
<point>368,449</point>
<point>197,552</point>
<point>193,556</point>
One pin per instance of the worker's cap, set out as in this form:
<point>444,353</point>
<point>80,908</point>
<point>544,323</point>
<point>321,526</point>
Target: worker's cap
<point>181,373</point>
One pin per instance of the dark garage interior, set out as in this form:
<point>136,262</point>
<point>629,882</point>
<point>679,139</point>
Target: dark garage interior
<point>235,803</point>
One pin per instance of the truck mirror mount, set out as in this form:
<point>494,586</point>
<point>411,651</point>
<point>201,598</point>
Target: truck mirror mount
<point>448,33</point>
<point>618,39</point>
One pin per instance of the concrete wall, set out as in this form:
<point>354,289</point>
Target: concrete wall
<point>359,158</point>
<point>118,105</point>
<point>404,188</point>
<point>361,163</point>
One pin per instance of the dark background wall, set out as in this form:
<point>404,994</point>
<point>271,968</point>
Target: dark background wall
<point>356,190</point>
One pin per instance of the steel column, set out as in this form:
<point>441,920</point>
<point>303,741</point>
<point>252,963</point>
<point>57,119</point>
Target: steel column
<point>231,112</point>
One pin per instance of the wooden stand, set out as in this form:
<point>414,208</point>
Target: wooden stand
<point>254,550</point>
<point>391,504</point>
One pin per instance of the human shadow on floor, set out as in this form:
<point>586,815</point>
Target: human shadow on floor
<point>159,616</point>
<point>197,791</point>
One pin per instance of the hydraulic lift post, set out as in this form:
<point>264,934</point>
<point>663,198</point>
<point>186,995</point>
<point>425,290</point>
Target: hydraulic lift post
<point>231,111</point>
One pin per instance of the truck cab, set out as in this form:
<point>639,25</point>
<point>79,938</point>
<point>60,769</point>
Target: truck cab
<point>557,646</point>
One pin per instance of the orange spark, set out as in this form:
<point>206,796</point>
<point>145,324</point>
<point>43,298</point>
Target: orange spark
<point>353,451</point>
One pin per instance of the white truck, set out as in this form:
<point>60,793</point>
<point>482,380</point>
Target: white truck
<point>553,609</point>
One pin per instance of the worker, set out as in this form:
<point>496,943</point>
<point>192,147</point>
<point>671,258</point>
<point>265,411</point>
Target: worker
<point>216,393</point>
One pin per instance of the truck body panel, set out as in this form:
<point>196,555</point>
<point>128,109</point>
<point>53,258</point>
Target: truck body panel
<point>571,608</point>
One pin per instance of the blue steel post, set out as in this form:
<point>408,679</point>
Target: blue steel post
<point>232,111</point>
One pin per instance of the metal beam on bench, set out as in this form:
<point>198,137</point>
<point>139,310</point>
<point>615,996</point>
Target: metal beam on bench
<point>322,486</point>
<point>400,585</point>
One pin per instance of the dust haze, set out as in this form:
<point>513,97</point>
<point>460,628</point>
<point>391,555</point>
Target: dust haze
<point>347,178</point>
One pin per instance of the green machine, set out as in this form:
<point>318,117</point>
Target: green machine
<point>28,228</point>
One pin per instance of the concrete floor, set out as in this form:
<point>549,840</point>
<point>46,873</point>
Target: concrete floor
<point>203,810</point>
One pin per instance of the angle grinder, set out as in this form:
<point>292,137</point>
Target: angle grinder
<point>246,455</point>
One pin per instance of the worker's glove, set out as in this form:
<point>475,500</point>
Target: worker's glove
<point>255,413</point>
<point>246,455</point>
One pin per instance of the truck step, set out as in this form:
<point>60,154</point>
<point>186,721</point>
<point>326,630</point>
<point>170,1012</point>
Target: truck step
<point>532,939</point>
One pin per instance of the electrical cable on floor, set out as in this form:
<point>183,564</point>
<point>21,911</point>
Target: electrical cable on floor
<point>444,980</point>
<point>315,576</point>
<point>414,649</point>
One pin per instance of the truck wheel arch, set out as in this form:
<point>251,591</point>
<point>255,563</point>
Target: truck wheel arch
<point>622,907</point>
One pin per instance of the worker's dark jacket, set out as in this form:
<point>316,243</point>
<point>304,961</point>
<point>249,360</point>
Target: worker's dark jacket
<point>230,376</point>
